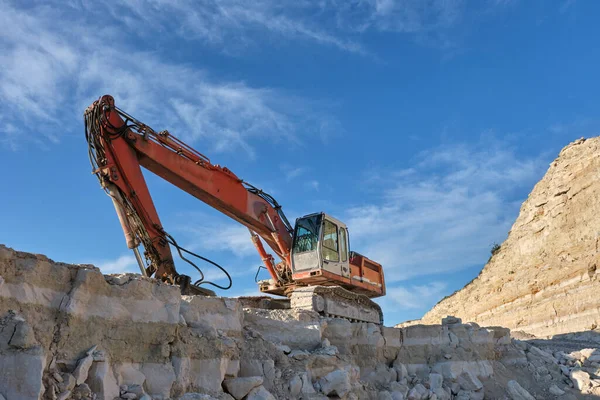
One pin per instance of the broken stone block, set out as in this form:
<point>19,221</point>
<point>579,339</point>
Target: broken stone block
<point>580,379</point>
<point>419,392</point>
<point>68,382</point>
<point>517,392</point>
<point>23,337</point>
<point>468,381</point>
<point>240,387</point>
<point>82,391</point>
<point>336,382</point>
<point>159,379</point>
<point>384,395</point>
<point>295,386</point>
<point>435,381</point>
<point>83,367</point>
<point>260,393</point>
<point>555,390</point>
<point>450,320</point>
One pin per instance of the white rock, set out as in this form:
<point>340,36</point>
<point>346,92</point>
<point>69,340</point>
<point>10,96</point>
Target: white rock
<point>196,396</point>
<point>580,379</point>
<point>23,337</point>
<point>400,388</point>
<point>468,381</point>
<point>83,368</point>
<point>307,387</point>
<point>68,382</point>
<point>478,395</point>
<point>240,387</point>
<point>397,396</point>
<point>516,391</point>
<point>295,386</point>
<point>381,375</point>
<point>419,392</point>
<point>299,355</point>
<point>435,381</point>
<point>130,396</point>
<point>284,348</point>
<point>442,394</point>
<point>21,374</point>
<point>64,395</point>
<point>384,395</point>
<point>463,395</point>
<point>260,393</point>
<point>101,379</point>
<point>450,320</point>
<point>336,382</point>
<point>556,391</point>
<point>159,378</point>
<point>401,370</point>
<point>547,357</point>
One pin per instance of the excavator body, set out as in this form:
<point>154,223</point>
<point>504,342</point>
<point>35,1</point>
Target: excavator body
<point>316,271</point>
<point>320,256</point>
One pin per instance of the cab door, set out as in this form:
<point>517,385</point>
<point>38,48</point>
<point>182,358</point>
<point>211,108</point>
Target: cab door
<point>334,248</point>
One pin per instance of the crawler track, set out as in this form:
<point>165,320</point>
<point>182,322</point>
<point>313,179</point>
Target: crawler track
<point>335,301</point>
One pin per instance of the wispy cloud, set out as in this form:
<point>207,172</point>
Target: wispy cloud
<point>229,24</point>
<point>122,264</point>
<point>312,184</point>
<point>51,72</point>
<point>202,231</point>
<point>414,296</point>
<point>408,16</point>
<point>292,172</point>
<point>444,213</point>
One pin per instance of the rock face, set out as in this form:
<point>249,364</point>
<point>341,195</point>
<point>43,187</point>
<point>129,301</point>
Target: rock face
<point>544,278</point>
<point>69,332</point>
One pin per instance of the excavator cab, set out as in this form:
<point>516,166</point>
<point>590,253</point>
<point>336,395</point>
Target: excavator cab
<point>321,256</point>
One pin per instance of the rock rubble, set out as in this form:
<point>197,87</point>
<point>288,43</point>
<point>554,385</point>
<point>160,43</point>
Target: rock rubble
<point>69,332</point>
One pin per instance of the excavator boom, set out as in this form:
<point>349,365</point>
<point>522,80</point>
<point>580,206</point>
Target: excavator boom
<point>313,254</point>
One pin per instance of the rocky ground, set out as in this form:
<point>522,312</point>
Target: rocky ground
<point>69,332</point>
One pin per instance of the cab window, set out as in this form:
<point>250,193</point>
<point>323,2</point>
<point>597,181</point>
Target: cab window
<point>307,234</point>
<point>343,245</point>
<point>330,241</point>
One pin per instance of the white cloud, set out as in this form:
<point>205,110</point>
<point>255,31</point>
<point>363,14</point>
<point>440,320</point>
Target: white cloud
<point>202,231</point>
<point>413,296</point>
<point>52,72</point>
<point>312,184</point>
<point>443,214</point>
<point>292,172</point>
<point>228,24</point>
<point>123,264</point>
<point>408,16</point>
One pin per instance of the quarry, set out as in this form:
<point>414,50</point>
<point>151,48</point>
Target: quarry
<point>525,328</point>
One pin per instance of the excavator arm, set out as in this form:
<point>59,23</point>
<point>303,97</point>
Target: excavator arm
<point>119,146</point>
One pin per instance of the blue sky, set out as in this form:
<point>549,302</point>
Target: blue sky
<point>421,124</point>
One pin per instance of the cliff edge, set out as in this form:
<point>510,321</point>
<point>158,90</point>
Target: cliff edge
<point>543,280</point>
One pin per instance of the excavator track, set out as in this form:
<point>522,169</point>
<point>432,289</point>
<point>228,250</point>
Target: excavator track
<point>335,301</point>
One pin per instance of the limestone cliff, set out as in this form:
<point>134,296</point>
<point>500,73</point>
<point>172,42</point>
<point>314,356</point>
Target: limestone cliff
<point>543,280</point>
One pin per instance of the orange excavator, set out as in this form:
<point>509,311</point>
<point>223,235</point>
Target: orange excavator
<point>316,270</point>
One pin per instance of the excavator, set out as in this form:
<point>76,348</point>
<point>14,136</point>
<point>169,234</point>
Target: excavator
<point>315,269</point>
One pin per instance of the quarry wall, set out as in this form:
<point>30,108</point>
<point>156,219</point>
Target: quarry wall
<point>544,278</point>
